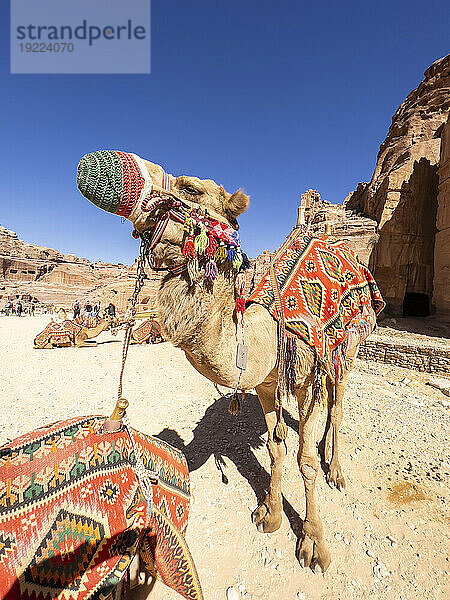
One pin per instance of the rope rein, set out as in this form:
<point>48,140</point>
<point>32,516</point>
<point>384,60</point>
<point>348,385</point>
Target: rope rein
<point>146,477</point>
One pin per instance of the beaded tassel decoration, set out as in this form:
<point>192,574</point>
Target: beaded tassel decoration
<point>190,253</point>
<point>245,262</point>
<point>193,270</point>
<point>239,286</point>
<point>211,248</point>
<point>238,259</point>
<point>189,250</point>
<point>221,253</point>
<point>231,254</point>
<point>201,241</point>
<point>211,271</point>
<point>290,349</point>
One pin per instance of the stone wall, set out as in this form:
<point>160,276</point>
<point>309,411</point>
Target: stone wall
<point>420,358</point>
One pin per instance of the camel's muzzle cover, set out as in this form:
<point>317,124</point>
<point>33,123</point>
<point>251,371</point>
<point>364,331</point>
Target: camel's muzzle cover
<point>114,181</point>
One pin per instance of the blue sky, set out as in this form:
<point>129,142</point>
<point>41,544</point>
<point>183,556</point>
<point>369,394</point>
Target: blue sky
<point>275,97</point>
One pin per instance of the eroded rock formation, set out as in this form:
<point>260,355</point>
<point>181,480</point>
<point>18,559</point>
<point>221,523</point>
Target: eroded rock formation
<point>441,295</point>
<point>46,276</point>
<point>402,197</point>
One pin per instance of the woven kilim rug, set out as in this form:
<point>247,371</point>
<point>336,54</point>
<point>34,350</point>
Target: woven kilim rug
<point>143,332</point>
<point>57,334</point>
<point>72,514</point>
<point>328,296</point>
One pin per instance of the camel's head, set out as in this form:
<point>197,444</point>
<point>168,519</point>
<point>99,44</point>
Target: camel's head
<point>127,185</point>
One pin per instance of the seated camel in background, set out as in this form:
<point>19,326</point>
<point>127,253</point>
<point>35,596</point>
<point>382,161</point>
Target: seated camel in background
<point>68,333</point>
<point>147,332</point>
<point>202,321</point>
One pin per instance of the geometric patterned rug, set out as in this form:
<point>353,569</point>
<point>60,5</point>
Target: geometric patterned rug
<point>58,334</point>
<point>146,331</point>
<point>72,514</point>
<point>327,296</point>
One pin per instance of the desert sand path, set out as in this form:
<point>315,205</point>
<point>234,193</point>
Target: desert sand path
<point>388,533</point>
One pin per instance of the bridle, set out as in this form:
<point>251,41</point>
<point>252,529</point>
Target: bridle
<point>172,209</point>
<point>191,217</point>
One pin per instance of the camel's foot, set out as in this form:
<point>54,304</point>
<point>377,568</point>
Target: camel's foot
<point>312,553</point>
<point>335,479</point>
<point>266,518</point>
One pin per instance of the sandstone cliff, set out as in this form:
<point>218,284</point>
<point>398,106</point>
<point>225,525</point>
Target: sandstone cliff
<point>402,195</point>
<point>46,276</point>
<point>441,293</point>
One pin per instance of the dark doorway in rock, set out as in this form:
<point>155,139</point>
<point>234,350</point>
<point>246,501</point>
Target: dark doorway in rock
<point>416,305</point>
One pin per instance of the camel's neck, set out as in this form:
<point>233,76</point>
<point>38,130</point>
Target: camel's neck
<point>94,331</point>
<point>203,324</point>
<point>188,313</point>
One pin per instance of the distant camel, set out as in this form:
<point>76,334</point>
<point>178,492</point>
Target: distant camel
<point>148,332</point>
<point>68,333</point>
<point>202,321</point>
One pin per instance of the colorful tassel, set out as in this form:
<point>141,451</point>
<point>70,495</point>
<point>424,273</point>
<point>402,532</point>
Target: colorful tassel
<point>290,361</point>
<point>189,251</point>
<point>319,384</point>
<point>201,241</point>
<point>240,283</point>
<point>231,254</point>
<point>187,224</point>
<point>281,430</point>
<point>240,305</point>
<point>221,253</point>
<point>235,406</point>
<point>237,262</point>
<point>211,248</point>
<point>245,262</point>
<point>211,271</point>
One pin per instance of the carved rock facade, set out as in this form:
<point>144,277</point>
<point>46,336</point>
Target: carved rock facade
<point>402,197</point>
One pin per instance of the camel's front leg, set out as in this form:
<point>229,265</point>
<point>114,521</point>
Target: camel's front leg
<point>311,548</point>
<point>267,517</point>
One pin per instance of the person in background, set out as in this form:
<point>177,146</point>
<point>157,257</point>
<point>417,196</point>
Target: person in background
<point>88,309</point>
<point>96,308</point>
<point>32,310</point>
<point>19,308</point>
<point>76,309</point>
<point>111,310</point>
<point>7,308</point>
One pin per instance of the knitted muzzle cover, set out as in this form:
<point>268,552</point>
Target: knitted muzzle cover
<point>115,181</point>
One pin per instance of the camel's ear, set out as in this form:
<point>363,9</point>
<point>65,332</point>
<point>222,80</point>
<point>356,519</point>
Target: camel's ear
<point>237,204</point>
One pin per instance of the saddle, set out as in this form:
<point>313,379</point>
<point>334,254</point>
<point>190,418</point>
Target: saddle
<point>73,516</point>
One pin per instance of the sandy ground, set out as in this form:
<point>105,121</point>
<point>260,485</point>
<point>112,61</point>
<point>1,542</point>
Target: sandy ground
<point>388,532</point>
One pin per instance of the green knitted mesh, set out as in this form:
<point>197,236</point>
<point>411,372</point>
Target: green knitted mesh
<point>99,179</point>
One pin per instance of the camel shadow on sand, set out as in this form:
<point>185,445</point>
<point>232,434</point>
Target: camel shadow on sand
<point>233,437</point>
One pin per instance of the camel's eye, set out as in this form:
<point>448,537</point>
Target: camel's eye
<point>192,191</point>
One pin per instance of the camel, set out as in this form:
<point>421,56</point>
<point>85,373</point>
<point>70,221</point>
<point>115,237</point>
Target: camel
<point>147,332</point>
<point>202,322</point>
<point>70,334</point>
<point>61,315</point>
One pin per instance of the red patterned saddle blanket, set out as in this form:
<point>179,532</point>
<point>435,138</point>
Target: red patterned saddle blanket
<point>146,331</point>
<point>57,334</point>
<point>328,297</point>
<point>73,516</point>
